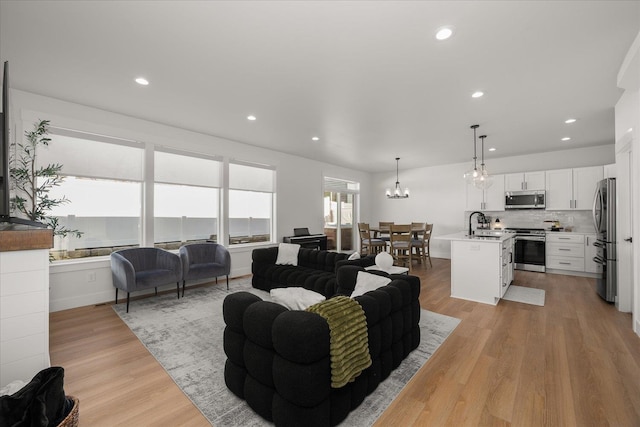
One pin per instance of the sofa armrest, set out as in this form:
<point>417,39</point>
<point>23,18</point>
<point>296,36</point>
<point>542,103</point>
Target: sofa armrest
<point>223,257</point>
<point>122,272</point>
<point>169,261</point>
<point>362,262</point>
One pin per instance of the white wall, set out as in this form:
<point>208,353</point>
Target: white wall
<point>298,198</point>
<point>628,117</point>
<point>438,193</point>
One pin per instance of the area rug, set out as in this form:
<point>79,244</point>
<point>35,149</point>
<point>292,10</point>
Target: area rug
<point>185,336</point>
<point>533,296</point>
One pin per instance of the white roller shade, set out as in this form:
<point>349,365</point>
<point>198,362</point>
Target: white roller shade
<point>172,168</point>
<point>95,159</point>
<point>340,185</point>
<point>252,178</point>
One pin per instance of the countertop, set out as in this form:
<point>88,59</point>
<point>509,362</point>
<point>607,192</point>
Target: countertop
<point>593,231</point>
<point>462,236</point>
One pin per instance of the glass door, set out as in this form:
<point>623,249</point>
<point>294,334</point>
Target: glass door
<point>339,211</point>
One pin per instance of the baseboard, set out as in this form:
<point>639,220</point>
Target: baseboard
<point>103,297</point>
<point>637,330</point>
<point>573,273</point>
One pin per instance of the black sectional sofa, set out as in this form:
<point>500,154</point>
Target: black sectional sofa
<point>279,362</point>
<point>316,270</point>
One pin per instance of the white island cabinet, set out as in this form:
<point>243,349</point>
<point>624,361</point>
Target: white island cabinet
<point>481,267</point>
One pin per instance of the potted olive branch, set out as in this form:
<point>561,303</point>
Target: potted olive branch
<point>34,183</point>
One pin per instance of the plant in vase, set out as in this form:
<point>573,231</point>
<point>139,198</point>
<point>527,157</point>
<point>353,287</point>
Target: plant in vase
<point>33,183</point>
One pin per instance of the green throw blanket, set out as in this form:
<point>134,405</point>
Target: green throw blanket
<point>349,344</point>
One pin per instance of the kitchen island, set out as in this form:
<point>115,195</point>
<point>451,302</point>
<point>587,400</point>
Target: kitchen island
<point>481,266</point>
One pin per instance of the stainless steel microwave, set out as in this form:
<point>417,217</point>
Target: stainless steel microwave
<point>524,199</point>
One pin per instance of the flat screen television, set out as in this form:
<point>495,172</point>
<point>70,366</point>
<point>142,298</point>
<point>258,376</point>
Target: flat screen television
<point>5,142</point>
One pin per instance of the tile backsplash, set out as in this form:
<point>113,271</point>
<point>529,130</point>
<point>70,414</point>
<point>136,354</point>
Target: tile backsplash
<point>581,221</point>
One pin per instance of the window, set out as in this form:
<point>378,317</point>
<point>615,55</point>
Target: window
<point>186,198</point>
<point>105,181</point>
<point>103,184</point>
<point>251,195</point>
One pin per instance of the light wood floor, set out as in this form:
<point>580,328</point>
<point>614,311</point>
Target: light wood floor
<point>573,362</point>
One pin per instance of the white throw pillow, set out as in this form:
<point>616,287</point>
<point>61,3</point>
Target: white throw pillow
<point>287,254</point>
<point>296,298</point>
<point>366,282</point>
<point>354,256</point>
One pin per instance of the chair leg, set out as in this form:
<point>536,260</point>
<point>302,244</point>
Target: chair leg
<point>128,293</point>
<point>227,282</point>
<point>216,280</point>
<point>116,295</point>
<point>156,291</point>
<point>183,286</point>
<point>178,289</point>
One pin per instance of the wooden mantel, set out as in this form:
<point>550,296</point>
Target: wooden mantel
<point>17,237</point>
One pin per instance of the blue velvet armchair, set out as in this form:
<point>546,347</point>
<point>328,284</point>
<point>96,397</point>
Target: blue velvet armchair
<point>137,269</point>
<point>203,261</point>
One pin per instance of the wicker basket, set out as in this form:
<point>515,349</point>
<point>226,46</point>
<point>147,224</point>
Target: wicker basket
<point>73,418</point>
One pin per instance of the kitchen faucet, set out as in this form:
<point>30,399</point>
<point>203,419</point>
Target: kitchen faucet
<point>480,216</point>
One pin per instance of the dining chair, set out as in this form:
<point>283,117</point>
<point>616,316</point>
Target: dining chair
<point>420,241</point>
<point>384,235</point>
<point>369,245</point>
<point>400,235</point>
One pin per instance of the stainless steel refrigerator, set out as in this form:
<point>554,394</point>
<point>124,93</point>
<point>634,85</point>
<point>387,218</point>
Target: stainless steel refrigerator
<point>604,217</point>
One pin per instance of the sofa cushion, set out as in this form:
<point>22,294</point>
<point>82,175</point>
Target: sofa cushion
<point>258,320</point>
<point>287,254</point>
<point>269,276</point>
<point>347,275</point>
<point>366,282</point>
<point>301,337</point>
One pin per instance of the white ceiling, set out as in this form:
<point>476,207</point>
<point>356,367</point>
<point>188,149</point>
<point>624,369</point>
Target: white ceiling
<point>368,78</point>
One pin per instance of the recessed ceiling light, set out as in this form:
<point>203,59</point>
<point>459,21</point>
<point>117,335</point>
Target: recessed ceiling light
<point>444,33</point>
<point>569,121</point>
<point>566,138</point>
<point>492,149</point>
<point>315,138</point>
<point>630,130</point>
<point>477,94</point>
<point>252,118</point>
<point>142,81</point>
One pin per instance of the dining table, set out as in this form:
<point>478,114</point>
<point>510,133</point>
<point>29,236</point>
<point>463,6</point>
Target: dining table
<point>377,230</point>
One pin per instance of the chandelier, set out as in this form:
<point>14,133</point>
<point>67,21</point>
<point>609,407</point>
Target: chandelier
<point>483,180</point>
<point>472,174</point>
<point>480,178</point>
<point>397,193</point>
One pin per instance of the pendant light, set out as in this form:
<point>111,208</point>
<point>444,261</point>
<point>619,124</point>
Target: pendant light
<point>397,193</point>
<point>472,174</point>
<point>483,180</point>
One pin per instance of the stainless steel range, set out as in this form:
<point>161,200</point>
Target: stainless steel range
<point>529,251</point>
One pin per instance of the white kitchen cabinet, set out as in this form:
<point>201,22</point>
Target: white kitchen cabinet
<point>524,181</point>
<point>590,251</point>
<point>559,189</point>
<point>507,265</point>
<point>572,189</point>
<point>584,186</point>
<point>491,199</point>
